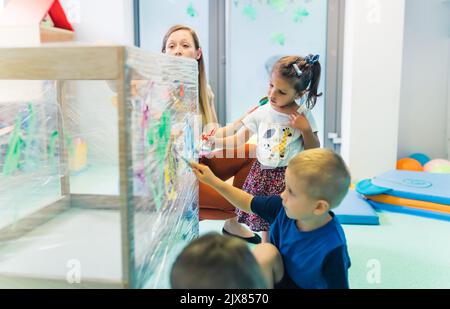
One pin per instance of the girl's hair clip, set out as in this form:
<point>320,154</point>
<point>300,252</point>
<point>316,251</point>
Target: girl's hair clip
<point>312,59</point>
<point>297,69</point>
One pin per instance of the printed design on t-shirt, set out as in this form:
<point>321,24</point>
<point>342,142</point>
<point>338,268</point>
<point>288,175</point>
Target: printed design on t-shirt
<point>269,133</point>
<point>281,147</point>
<point>275,140</point>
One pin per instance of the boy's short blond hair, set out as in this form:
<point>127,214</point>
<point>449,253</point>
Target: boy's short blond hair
<point>324,173</point>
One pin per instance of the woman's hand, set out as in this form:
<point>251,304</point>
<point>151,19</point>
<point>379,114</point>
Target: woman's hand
<point>209,140</point>
<point>204,174</point>
<point>299,121</point>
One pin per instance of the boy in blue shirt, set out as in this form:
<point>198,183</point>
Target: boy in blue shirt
<point>308,247</point>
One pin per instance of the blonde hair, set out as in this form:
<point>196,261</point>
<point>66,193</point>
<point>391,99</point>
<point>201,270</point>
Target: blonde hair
<point>205,98</point>
<point>324,172</point>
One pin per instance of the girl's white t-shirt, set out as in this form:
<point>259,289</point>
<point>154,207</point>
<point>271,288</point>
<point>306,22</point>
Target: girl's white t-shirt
<point>277,141</point>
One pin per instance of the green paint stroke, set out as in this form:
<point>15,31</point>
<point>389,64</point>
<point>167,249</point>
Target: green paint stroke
<point>158,136</point>
<point>250,12</point>
<point>15,144</point>
<point>278,38</point>
<point>157,193</point>
<point>51,145</point>
<point>279,5</point>
<point>299,15</point>
<point>30,135</point>
<point>191,11</point>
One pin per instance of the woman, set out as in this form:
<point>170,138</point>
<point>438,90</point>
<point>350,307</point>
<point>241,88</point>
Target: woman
<point>182,41</point>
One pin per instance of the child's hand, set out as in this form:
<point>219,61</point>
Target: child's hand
<point>204,174</point>
<point>208,142</point>
<point>299,121</point>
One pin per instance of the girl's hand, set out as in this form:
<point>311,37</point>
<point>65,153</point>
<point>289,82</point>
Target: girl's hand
<point>204,174</point>
<point>299,121</point>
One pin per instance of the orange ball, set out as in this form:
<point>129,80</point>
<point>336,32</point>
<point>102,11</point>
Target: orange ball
<point>409,164</point>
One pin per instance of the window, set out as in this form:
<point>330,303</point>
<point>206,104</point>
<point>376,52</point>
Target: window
<point>156,17</point>
<point>241,39</point>
<point>259,33</point>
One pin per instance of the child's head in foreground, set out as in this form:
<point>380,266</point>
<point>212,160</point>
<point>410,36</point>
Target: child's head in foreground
<point>316,181</point>
<point>214,261</point>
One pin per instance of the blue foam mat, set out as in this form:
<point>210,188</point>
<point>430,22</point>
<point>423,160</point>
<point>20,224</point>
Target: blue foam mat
<point>366,187</point>
<point>421,186</point>
<point>354,209</point>
<point>411,211</point>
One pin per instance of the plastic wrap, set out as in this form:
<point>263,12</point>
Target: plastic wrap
<point>95,190</point>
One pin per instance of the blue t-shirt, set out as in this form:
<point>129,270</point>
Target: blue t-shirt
<point>316,259</point>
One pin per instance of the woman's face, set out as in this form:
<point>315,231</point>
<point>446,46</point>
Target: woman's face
<point>181,43</point>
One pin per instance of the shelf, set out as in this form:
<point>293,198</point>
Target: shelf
<point>51,34</point>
